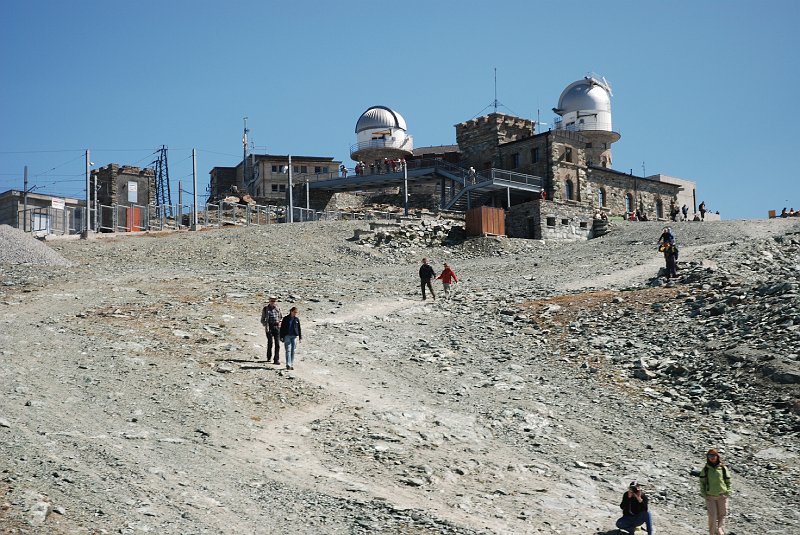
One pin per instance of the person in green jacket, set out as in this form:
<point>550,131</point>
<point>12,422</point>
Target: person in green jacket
<point>715,487</point>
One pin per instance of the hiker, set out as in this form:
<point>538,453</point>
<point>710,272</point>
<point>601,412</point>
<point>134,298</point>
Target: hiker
<point>667,245</point>
<point>448,277</point>
<point>702,209</point>
<point>291,335</point>
<point>271,320</point>
<point>715,487</point>
<point>673,213</point>
<point>634,510</point>
<point>685,210</point>
<point>425,275</point>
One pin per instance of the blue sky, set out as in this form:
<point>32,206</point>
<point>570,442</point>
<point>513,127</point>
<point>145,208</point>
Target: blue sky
<point>703,90</point>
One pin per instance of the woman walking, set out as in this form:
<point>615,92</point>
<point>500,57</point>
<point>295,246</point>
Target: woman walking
<point>715,487</point>
<point>291,334</point>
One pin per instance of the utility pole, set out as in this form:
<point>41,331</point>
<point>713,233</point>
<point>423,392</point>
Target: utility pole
<point>290,218</point>
<point>25,203</point>
<point>194,189</point>
<point>179,218</point>
<point>96,206</point>
<point>405,187</point>
<point>86,225</point>
<point>244,154</point>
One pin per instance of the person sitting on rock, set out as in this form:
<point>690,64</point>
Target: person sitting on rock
<point>634,510</point>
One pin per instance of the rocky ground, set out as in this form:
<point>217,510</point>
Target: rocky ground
<point>136,397</point>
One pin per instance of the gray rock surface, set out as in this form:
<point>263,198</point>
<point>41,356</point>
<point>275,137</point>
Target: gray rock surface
<point>138,396</point>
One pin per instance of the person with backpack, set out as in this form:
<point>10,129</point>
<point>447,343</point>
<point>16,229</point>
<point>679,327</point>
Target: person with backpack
<point>715,487</point>
<point>685,211</point>
<point>634,510</point>
<point>271,320</point>
<point>667,245</point>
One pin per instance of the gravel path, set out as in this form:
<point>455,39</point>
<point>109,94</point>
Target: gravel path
<point>136,396</point>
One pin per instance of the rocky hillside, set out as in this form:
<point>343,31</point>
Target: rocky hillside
<point>137,397</point>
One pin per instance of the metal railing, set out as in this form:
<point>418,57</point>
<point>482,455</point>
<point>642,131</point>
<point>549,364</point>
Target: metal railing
<point>406,144</point>
<point>516,178</point>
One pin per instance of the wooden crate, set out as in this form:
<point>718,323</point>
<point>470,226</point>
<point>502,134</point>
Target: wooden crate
<point>485,220</point>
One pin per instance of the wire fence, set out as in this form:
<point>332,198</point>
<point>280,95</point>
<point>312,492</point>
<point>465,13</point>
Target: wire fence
<point>44,221</point>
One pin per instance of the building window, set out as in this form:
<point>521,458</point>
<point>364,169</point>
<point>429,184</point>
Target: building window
<point>659,209</point>
<point>535,155</point>
<point>588,145</point>
<point>282,187</point>
<point>274,188</point>
<point>296,168</point>
<point>569,190</point>
<point>274,168</point>
<point>515,160</point>
<point>568,154</point>
<point>303,169</point>
<point>628,203</point>
<point>325,169</point>
<point>601,197</point>
<point>317,169</point>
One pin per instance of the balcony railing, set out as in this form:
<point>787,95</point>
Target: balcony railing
<point>406,144</point>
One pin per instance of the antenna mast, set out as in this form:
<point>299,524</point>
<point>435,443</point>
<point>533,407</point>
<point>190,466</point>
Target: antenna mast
<point>163,197</point>
<point>495,90</point>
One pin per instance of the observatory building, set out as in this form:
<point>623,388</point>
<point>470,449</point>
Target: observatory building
<point>381,133</point>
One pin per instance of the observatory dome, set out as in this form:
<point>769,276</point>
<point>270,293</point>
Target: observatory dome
<point>588,94</point>
<point>380,117</point>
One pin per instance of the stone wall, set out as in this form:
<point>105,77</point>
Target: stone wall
<point>478,139</point>
<point>645,193</point>
<point>549,220</point>
<point>112,184</point>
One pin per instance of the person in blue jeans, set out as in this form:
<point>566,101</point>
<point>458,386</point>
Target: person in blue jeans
<point>291,334</point>
<point>634,510</point>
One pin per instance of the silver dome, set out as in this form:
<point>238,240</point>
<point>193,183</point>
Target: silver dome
<point>380,117</point>
<point>586,94</point>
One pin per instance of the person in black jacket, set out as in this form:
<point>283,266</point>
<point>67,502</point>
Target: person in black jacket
<point>425,275</point>
<point>634,510</point>
<point>291,334</point>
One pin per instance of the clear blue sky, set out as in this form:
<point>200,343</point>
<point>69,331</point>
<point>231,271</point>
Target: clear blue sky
<point>703,90</point>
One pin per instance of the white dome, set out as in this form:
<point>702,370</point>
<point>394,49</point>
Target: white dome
<point>588,94</point>
<point>380,117</point>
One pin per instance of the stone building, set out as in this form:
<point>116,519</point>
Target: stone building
<point>124,184</point>
<point>265,176</point>
<point>574,163</point>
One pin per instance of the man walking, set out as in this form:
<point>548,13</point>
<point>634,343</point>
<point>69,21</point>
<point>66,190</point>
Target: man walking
<point>425,275</point>
<point>291,334</point>
<point>271,320</point>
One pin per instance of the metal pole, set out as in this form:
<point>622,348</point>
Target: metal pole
<point>405,190</point>
<point>308,199</point>
<point>508,197</point>
<point>24,203</point>
<point>194,189</point>
<point>88,195</point>
<point>96,206</point>
<point>290,219</point>
<point>179,220</point>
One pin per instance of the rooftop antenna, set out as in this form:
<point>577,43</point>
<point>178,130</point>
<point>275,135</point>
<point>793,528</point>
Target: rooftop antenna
<point>495,103</point>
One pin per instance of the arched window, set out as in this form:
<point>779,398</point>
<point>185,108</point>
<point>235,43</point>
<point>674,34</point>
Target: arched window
<point>601,197</point>
<point>569,190</point>
<point>659,209</point>
<point>628,203</point>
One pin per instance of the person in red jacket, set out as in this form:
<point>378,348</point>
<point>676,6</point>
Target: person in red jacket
<point>448,277</point>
